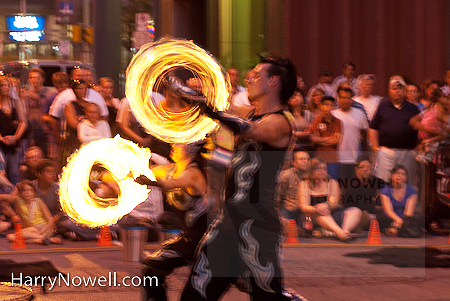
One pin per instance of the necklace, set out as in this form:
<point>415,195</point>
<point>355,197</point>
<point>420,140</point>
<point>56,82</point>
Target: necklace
<point>398,193</point>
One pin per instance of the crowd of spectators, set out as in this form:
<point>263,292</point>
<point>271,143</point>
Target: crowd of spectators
<point>351,136</point>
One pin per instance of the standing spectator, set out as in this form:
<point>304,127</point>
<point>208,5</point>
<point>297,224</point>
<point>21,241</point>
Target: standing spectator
<point>61,81</point>
<point>366,85</point>
<point>93,128</point>
<point>238,94</point>
<point>286,197</point>
<point>348,72</point>
<point>301,123</point>
<point>315,101</point>
<point>427,88</point>
<point>324,84</point>
<point>13,123</point>
<point>413,95</point>
<point>391,136</point>
<point>33,155</point>
<point>106,85</point>
<point>74,112</point>
<point>38,100</point>
<point>353,132</point>
<point>59,103</point>
<point>326,134</point>
<point>319,196</point>
<point>430,126</point>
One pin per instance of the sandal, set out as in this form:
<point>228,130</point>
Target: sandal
<point>55,240</point>
<point>346,237</point>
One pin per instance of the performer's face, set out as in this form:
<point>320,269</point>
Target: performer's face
<point>258,83</point>
<point>178,152</point>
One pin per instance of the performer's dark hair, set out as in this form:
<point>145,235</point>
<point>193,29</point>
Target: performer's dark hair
<point>283,68</point>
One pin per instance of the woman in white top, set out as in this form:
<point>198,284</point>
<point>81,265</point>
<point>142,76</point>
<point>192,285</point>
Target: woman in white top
<point>319,196</point>
<point>93,128</point>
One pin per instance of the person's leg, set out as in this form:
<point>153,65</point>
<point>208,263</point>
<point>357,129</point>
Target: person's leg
<point>385,161</point>
<point>351,218</point>
<point>405,158</point>
<point>4,226</point>
<point>84,233</point>
<point>12,167</point>
<point>327,222</point>
<point>159,264</point>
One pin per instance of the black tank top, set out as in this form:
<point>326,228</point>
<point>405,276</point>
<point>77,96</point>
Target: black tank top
<point>254,169</point>
<point>8,126</point>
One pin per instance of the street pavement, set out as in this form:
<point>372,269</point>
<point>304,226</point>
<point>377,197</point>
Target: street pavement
<point>318,269</point>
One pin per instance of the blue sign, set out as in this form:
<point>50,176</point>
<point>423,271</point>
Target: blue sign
<point>66,8</point>
<point>17,23</point>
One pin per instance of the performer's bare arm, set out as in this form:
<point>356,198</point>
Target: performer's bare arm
<point>273,129</point>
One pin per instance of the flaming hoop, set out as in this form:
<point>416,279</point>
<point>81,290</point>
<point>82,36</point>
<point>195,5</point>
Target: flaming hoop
<point>124,160</point>
<point>144,74</point>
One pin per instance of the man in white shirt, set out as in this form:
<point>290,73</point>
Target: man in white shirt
<point>353,131</point>
<point>238,94</point>
<point>366,85</point>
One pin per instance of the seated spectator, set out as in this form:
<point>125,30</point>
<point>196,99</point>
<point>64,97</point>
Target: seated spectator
<point>362,191</point>
<point>93,128</point>
<point>287,186</point>
<point>47,188</point>
<point>399,202</point>
<point>326,134</point>
<point>319,196</point>
<point>6,211</point>
<point>301,123</point>
<point>38,224</point>
<point>33,155</point>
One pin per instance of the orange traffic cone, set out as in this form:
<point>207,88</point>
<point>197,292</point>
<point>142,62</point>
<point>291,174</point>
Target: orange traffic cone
<point>374,237</point>
<point>292,237</point>
<point>104,239</point>
<point>19,242</point>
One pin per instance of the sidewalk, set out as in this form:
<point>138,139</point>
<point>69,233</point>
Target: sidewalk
<point>311,257</point>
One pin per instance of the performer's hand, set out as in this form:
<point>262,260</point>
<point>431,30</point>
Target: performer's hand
<point>175,85</point>
<point>143,180</point>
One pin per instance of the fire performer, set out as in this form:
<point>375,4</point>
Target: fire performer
<point>243,243</point>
